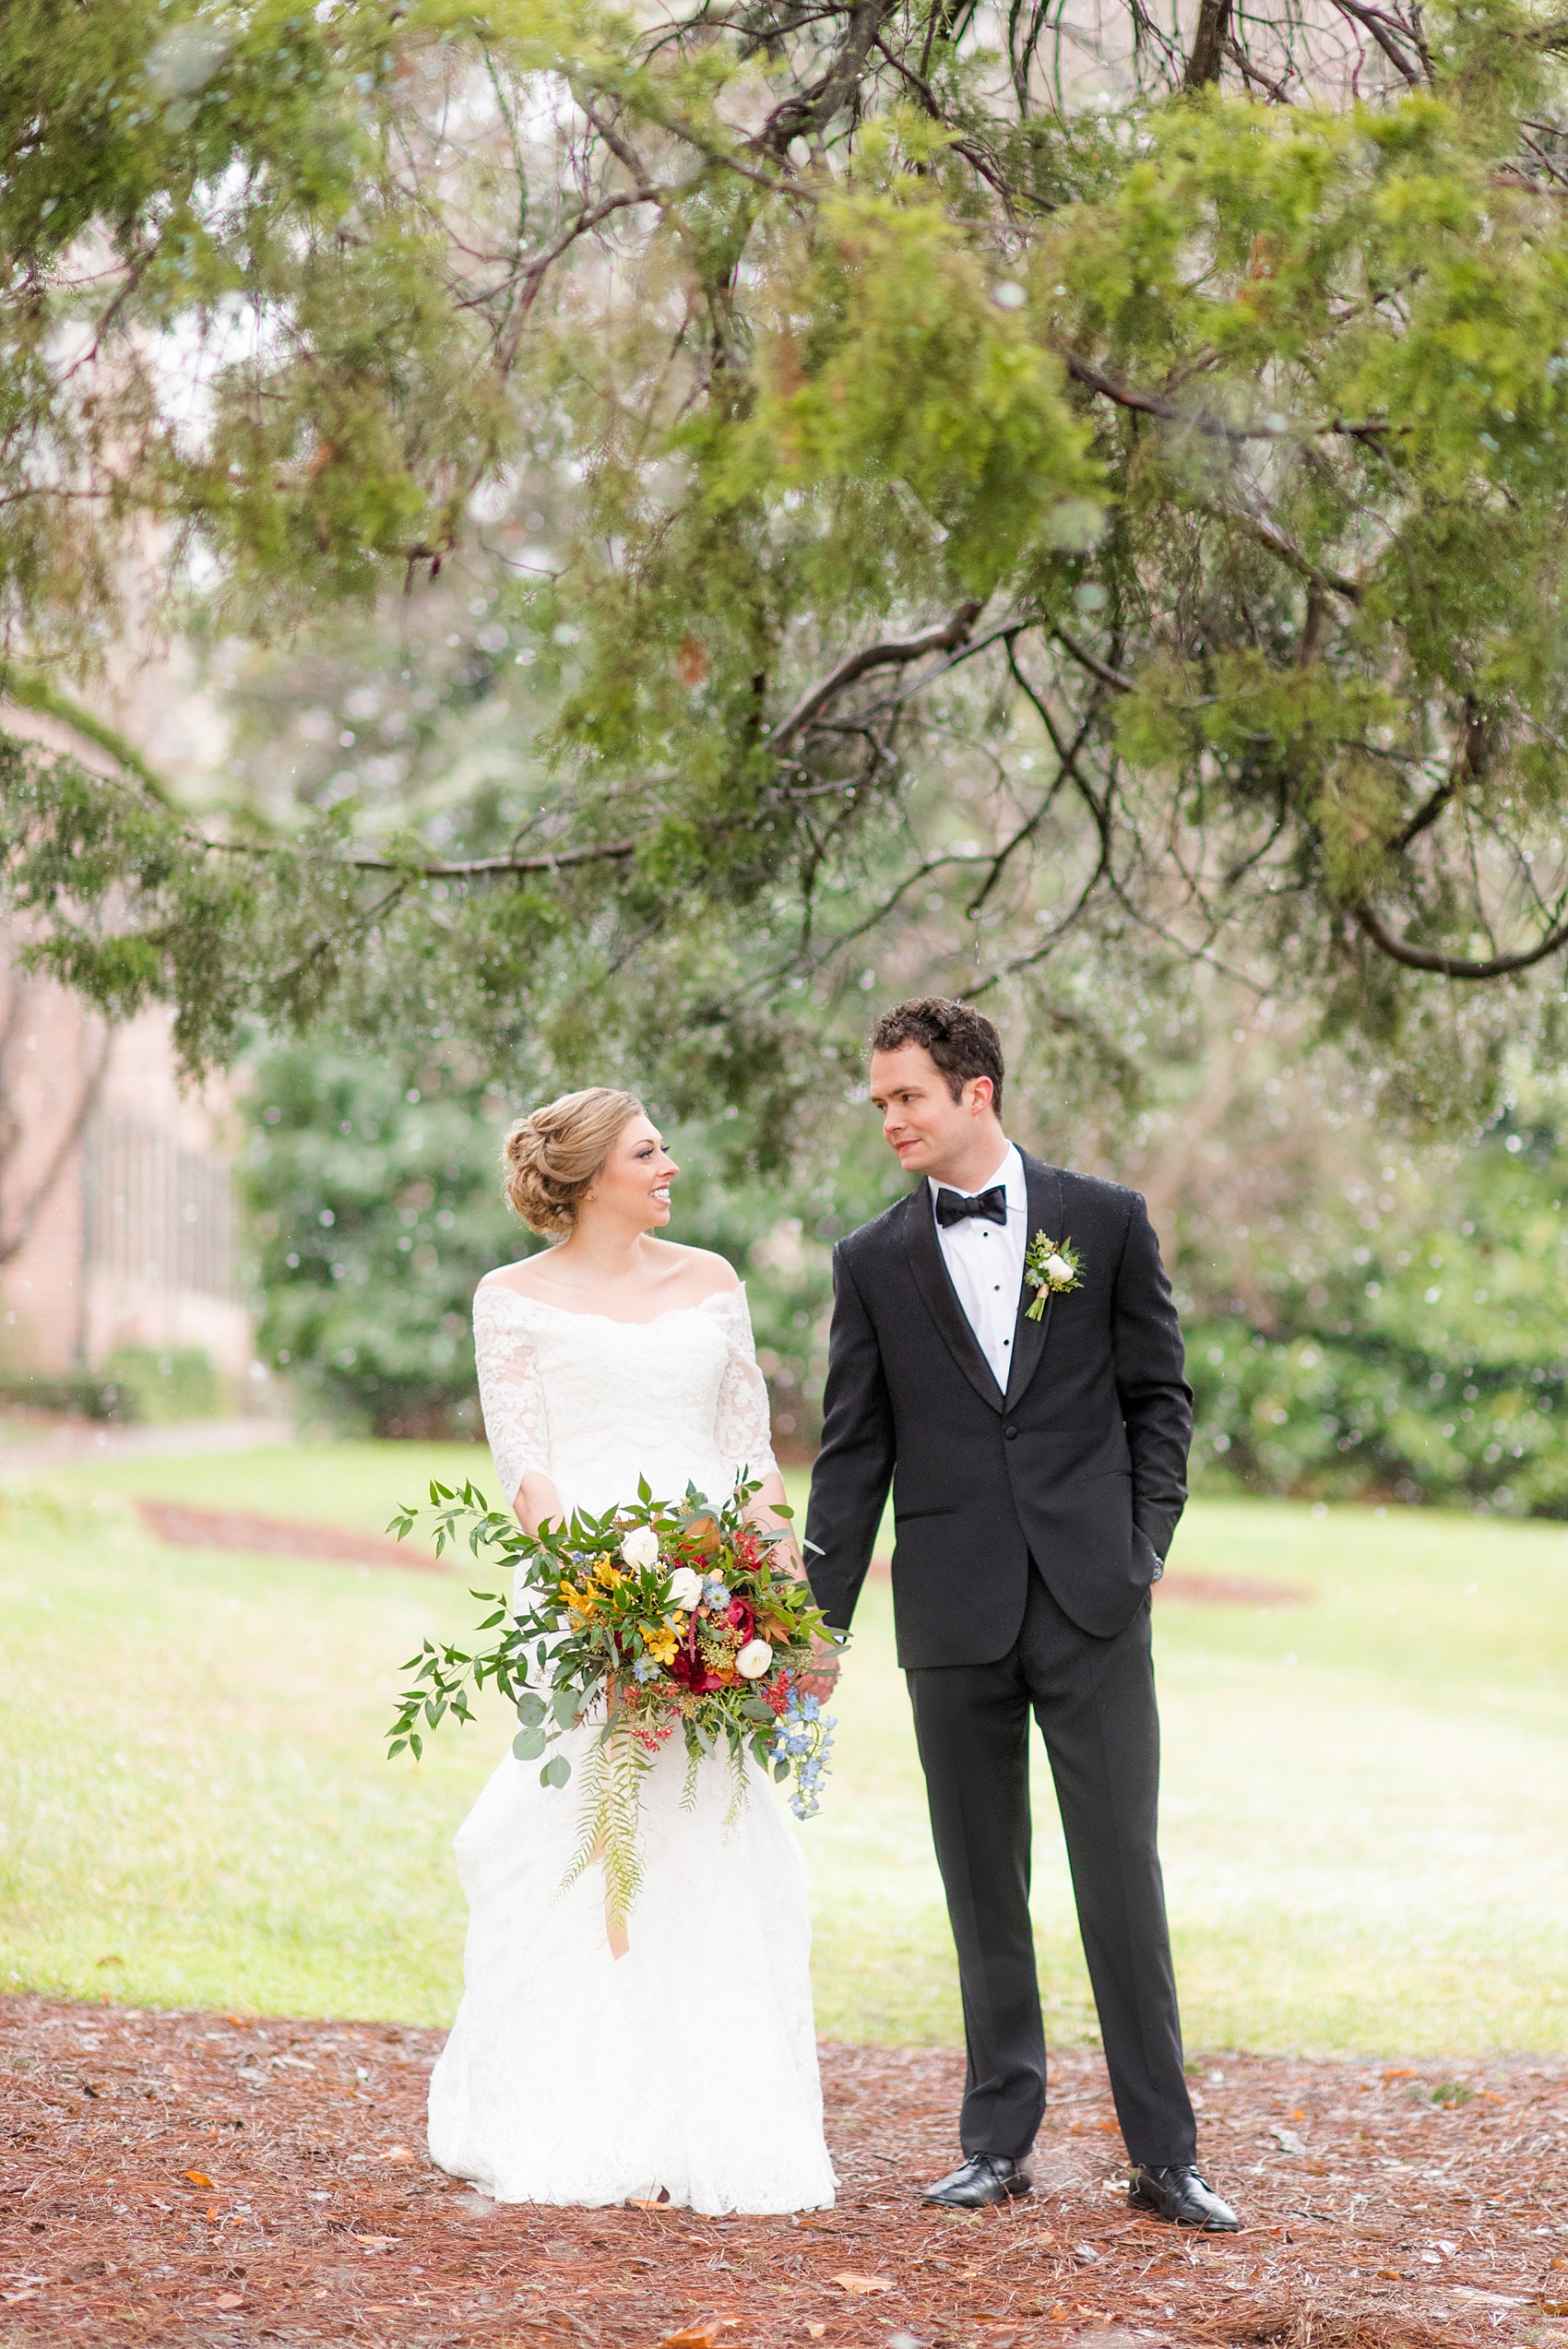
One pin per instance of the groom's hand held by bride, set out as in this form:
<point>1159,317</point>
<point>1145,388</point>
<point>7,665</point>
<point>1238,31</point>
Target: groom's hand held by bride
<point>827,1664</point>
<point>767,1512</point>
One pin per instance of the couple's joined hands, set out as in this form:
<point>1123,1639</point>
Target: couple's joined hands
<point>827,1664</point>
<point>826,1661</point>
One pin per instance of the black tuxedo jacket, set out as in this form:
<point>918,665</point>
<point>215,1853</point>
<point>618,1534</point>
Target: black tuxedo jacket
<point>1081,1465</point>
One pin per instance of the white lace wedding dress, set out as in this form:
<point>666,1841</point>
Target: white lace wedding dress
<point>687,2067</point>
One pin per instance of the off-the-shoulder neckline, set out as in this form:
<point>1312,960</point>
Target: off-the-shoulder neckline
<point>572,1313</point>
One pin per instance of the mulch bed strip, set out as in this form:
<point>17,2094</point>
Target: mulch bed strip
<point>186,1528</point>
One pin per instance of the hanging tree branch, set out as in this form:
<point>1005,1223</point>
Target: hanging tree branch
<point>1413,957</point>
<point>891,654</point>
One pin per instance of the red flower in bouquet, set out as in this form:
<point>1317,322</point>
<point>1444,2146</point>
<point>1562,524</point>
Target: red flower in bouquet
<point>742,1618</point>
<point>693,1673</point>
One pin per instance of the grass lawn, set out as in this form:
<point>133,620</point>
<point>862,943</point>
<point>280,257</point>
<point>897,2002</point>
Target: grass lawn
<point>1366,1795</point>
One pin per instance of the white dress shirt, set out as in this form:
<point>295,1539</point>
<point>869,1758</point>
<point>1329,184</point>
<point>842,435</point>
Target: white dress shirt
<point>985,1263</point>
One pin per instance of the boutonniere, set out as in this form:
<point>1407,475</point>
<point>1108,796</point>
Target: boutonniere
<point>1051,1271</point>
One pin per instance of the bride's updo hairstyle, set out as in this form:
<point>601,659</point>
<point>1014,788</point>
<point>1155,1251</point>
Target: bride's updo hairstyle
<point>552,1156</point>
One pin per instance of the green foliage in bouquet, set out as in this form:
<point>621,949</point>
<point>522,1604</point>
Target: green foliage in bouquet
<point>652,1618</point>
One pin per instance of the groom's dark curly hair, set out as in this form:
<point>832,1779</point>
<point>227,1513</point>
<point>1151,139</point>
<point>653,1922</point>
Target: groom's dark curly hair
<point>962,1042</point>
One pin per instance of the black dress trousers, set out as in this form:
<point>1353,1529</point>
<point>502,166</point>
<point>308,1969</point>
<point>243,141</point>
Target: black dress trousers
<point>1093,1700</point>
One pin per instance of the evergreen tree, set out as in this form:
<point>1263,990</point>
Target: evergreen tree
<point>974,519</point>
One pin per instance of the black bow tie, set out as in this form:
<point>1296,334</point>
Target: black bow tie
<point>991,1206</point>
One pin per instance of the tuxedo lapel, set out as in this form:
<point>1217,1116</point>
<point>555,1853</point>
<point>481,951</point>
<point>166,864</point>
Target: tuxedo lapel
<point>1047,1211</point>
<point>940,1298</point>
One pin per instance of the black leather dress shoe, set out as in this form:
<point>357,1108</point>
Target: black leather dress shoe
<point>1181,2193</point>
<point>984,2178</point>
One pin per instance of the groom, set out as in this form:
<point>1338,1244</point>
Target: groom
<point>1038,1469</point>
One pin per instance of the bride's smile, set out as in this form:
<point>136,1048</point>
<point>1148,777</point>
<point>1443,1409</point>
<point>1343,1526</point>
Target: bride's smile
<point>631,1190</point>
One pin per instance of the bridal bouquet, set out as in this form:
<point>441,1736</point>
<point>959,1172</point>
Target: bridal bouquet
<point>656,1618</point>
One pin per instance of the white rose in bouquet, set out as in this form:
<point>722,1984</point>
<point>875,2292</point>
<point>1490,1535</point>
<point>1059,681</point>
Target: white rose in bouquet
<point>640,1547</point>
<point>753,1659</point>
<point>685,1588</point>
<point>1057,1268</point>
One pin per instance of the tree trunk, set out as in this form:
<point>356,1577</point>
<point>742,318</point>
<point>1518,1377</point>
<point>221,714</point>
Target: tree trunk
<point>1209,44</point>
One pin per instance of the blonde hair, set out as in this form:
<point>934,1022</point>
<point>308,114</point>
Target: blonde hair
<point>551,1157</point>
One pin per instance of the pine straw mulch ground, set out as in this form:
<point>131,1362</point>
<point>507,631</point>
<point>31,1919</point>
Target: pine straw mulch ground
<point>199,2179</point>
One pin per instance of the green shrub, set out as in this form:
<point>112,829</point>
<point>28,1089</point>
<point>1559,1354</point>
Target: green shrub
<point>84,1393</point>
<point>373,1187</point>
<point>137,1384</point>
<point>1416,1349</point>
<point>147,1385</point>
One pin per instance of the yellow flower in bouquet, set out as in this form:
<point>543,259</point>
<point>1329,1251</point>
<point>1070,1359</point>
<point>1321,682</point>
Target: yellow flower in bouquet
<point>661,1641</point>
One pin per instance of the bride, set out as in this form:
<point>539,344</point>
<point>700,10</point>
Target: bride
<point>685,2068</point>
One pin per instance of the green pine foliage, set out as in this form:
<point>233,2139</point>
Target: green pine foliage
<point>979,521</point>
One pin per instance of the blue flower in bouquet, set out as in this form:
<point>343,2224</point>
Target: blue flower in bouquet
<point>805,1739</point>
<point>714,1592</point>
<point>645,1669</point>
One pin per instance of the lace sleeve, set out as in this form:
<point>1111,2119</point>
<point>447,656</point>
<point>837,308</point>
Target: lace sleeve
<point>511,1391</point>
<point>741,1425</point>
